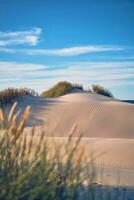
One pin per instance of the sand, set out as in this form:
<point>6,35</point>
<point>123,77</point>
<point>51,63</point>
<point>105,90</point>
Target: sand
<point>107,126</point>
<point>95,115</point>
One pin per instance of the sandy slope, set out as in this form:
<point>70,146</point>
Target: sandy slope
<point>95,115</point>
<point>107,126</point>
<point>113,159</point>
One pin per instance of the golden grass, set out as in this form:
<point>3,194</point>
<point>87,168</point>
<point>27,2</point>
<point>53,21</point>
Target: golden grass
<point>35,167</point>
<point>28,162</point>
<point>61,88</point>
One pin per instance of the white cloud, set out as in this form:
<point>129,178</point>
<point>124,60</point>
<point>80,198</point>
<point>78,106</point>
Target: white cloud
<point>14,67</point>
<point>7,50</point>
<point>41,77</point>
<point>72,51</point>
<point>30,37</point>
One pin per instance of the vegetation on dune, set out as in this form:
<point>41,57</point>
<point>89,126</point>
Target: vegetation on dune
<point>77,86</point>
<point>60,89</point>
<point>9,94</point>
<point>64,87</point>
<point>101,90</point>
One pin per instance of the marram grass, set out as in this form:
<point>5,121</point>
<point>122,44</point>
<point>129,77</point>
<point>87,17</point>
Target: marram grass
<point>30,169</point>
<point>34,168</point>
<point>10,94</point>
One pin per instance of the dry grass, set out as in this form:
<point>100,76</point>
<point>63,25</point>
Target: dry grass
<point>33,168</point>
<point>61,88</point>
<point>101,90</point>
<point>30,169</point>
<point>9,94</point>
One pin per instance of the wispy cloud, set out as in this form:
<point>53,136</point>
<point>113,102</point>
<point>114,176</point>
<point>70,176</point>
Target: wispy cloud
<point>40,77</point>
<point>72,51</point>
<point>7,50</point>
<point>29,37</point>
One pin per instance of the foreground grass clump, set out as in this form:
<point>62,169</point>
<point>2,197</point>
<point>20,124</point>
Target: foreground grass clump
<point>101,90</point>
<point>32,168</point>
<point>60,89</point>
<point>9,94</point>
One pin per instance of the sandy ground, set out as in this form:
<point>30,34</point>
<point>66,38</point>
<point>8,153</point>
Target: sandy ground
<point>107,126</point>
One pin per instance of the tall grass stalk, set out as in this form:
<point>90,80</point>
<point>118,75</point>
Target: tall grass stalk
<point>35,167</point>
<point>31,167</point>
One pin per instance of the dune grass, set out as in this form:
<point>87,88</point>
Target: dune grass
<point>64,87</point>
<point>61,88</point>
<point>34,168</point>
<point>9,94</point>
<point>30,169</point>
<point>98,89</point>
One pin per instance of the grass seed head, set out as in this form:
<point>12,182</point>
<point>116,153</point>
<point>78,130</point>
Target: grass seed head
<point>72,130</point>
<point>27,113</point>
<point>11,113</point>
<point>1,115</point>
<point>80,156</point>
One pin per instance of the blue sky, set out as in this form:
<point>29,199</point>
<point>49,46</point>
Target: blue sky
<point>82,41</point>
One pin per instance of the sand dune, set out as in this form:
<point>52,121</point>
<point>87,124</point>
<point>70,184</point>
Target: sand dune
<point>107,126</point>
<point>113,158</point>
<point>95,115</point>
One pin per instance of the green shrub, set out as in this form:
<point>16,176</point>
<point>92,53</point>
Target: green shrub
<point>101,90</point>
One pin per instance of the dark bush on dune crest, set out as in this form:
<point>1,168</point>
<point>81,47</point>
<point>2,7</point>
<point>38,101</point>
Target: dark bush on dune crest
<point>60,89</point>
<point>9,94</point>
<point>101,90</point>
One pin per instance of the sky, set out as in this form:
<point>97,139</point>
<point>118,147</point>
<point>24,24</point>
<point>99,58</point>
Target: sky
<point>81,41</point>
